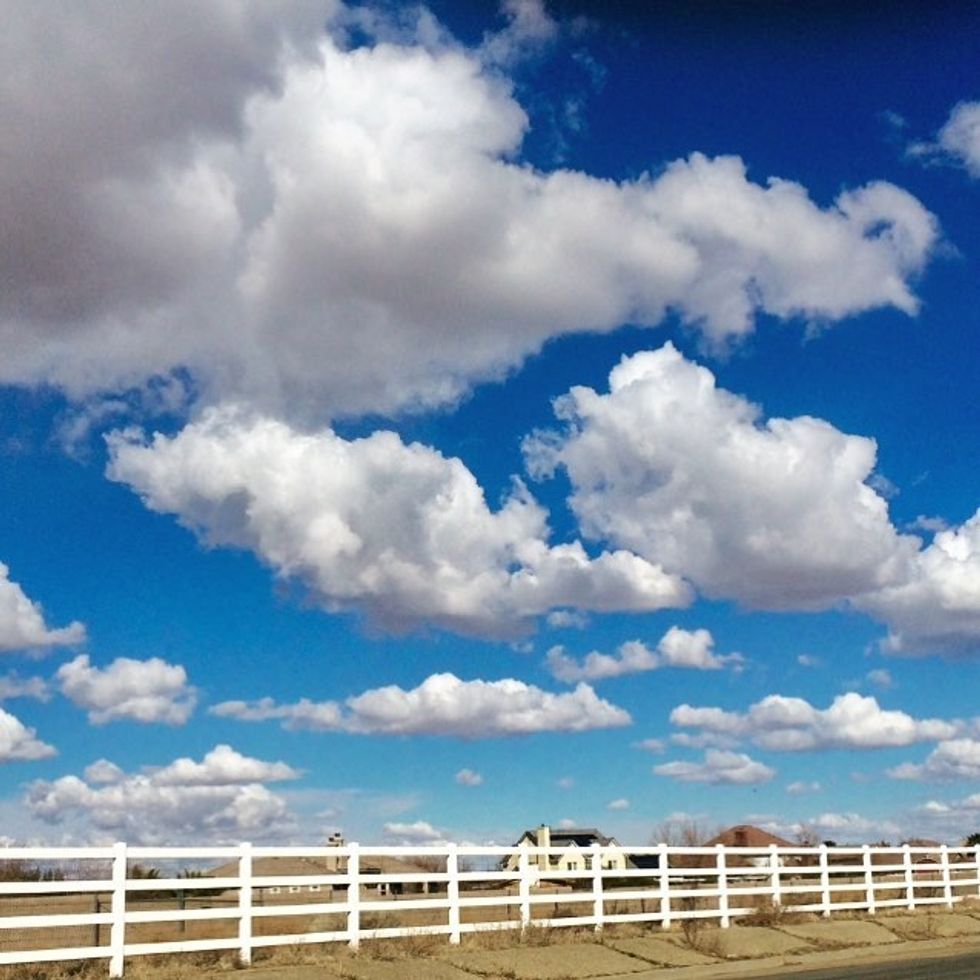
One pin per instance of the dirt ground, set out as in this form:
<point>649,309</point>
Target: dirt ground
<point>779,948</point>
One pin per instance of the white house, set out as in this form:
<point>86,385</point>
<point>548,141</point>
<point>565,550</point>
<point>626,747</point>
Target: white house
<point>576,844</point>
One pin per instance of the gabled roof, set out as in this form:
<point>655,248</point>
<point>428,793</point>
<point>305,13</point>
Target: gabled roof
<point>745,835</point>
<point>566,837</point>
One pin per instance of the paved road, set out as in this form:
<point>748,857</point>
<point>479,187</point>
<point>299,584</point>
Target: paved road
<point>935,968</point>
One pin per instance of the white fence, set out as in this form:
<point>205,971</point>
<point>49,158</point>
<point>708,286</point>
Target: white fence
<point>108,906</point>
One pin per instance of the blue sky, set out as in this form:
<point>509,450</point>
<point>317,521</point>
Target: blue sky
<point>432,422</point>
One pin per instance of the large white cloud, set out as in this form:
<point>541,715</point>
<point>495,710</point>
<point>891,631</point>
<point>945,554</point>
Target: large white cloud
<point>22,623</point>
<point>139,690</point>
<point>937,609</point>
<point>958,140</point>
<point>792,724</point>
<point>957,758</point>
<point>776,514</point>
<point>719,767</point>
<point>690,649</point>
<point>442,705</point>
<point>398,531</point>
<point>223,798</point>
<point>20,743</point>
<point>353,230</point>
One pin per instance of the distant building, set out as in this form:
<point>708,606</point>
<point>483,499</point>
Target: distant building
<point>576,842</point>
<point>745,835</point>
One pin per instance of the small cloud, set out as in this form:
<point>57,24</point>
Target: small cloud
<point>808,660</point>
<point>883,486</point>
<point>651,745</point>
<point>566,823</point>
<point>620,804</point>
<point>800,787</point>
<point>931,525</point>
<point>567,619</point>
<point>566,782</point>
<point>880,678</point>
<point>467,777</point>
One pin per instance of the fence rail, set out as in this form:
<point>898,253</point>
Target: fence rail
<point>118,902</point>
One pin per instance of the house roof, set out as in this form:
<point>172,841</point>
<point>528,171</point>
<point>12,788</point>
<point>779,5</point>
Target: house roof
<point>566,837</point>
<point>263,866</point>
<point>745,835</point>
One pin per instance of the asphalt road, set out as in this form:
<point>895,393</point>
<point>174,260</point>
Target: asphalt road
<point>962,967</point>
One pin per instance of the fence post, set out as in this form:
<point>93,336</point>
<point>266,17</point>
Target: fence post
<point>774,868</point>
<point>909,878</point>
<point>724,919</point>
<point>354,896</point>
<point>524,886</point>
<point>245,904</point>
<point>598,910</point>
<point>947,875</point>
<point>869,880</point>
<point>117,931</point>
<point>976,861</point>
<point>452,892</point>
<point>663,862</point>
<point>824,881</point>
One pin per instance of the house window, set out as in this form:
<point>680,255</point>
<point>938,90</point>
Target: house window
<point>314,888</point>
<point>275,890</point>
<point>573,865</point>
<point>295,889</point>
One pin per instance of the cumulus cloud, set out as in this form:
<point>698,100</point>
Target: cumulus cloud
<point>220,799</point>
<point>419,832</point>
<point>137,690</point>
<point>22,623</point>
<point>620,804</point>
<point>802,786</point>
<point>398,531</point>
<point>20,743</point>
<point>775,514</point>
<point>467,777</point>
<point>274,212</point>
<point>793,725</point>
<point>937,607</point>
<point>957,758</point>
<point>442,705</point>
<point>958,141</point>
<point>12,685</point>
<point>718,768</point>
<point>692,649</point>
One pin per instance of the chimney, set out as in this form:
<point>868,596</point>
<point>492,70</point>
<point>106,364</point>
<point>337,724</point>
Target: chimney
<point>544,840</point>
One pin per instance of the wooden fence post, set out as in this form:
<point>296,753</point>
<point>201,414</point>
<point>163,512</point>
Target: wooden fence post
<point>354,897</point>
<point>947,875</point>
<point>724,919</point>
<point>664,864</point>
<point>452,893</point>
<point>245,904</point>
<point>869,880</point>
<point>598,910</point>
<point>524,886</point>
<point>824,881</point>
<point>774,874</point>
<point>117,931</point>
<point>909,878</point>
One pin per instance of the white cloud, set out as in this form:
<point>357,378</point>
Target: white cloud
<point>564,619</point>
<point>278,223</point>
<point>442,705</point>
<point>957,758</point>
<point>880,678</point>
<point>220,799</point>
<point>147,691</point>
<point>467,777</point>
<point>937,607</point>
<point>718,768</point>
<point>792,724</point>
<point>19,743</point>
<point>419,832</point>
<point>691,649</point>
<point>958,140</point>
<point>620,804</point>
<point>808,660</point>
<point>776,514</point>
<point>22,623</point>
<point>652,745</point>
<point>398,531</point>
<point>13,685</point>
<point>802,786</point>
<point>566,782</point>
